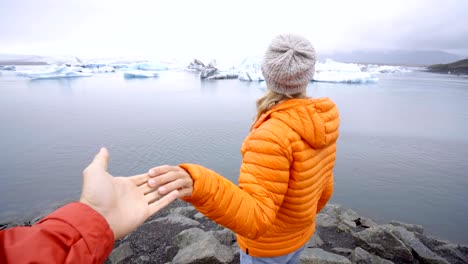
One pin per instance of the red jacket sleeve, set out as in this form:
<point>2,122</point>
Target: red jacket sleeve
<point>74,233</point>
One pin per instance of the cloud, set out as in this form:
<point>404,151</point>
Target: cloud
<point>226,28</point>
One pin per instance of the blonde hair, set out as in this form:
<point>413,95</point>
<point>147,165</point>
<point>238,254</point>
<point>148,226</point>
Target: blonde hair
<point>270,99</point>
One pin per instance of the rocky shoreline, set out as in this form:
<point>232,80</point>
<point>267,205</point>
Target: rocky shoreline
<point>458,67</point>
<point>179,234</point>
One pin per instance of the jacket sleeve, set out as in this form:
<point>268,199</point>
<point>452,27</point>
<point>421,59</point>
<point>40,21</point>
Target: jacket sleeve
<point>326,194</point>
<point>250,208</point>
<point>74,233</point>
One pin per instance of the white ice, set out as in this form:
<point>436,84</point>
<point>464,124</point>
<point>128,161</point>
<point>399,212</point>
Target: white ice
<point>139,74</point>
<point>338,72</point>
<point>55,72</point>
<point>250,69</point>
<point>150,66</point>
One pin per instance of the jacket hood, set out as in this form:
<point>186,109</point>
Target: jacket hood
<point>315,120</point>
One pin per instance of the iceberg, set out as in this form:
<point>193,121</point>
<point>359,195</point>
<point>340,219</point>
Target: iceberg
<point>56,72</point>
<point>223,76</point>
<point>149,66</point>
<point>210,71</point>
<point>338,72</point>
<point>8,68</point>
<point>250,69</point>
<point>385,69</point>
<point>139,74</point>
<point>344,77</point>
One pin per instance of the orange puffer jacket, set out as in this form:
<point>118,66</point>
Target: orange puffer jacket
<point>285,179</point>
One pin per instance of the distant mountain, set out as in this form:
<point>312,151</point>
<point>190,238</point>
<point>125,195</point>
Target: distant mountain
<point>458,67</point>
<point>13,59</point>
<point>395,57</point>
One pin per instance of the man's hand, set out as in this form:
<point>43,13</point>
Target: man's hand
<point>125,202</point>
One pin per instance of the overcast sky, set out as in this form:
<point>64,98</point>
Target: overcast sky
<point>227,28</point>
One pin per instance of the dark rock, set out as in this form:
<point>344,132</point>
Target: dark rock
<point>452,253</point>
<point>187,211</point>
<point>430,242</point>
<point>382,242</point>
<point>315,241</point>
<point>349,215</point>
<point>119,254</point>
<point>360,256</point>
<point>189,236</point>
<point>176,219</point>
<point>342,251</point>
<point>458,67</point>
<point>333,210</point>
<point>410,227</point>
<point>334,237</point>
<point>206,250</point>
<point>320,256</point>
<point>225,236</point>
<point>325,220</point>
<point>423,253</point>
<point>366,222</point>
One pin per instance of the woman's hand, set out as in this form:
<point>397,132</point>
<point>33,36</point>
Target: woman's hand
<point>171,178</point>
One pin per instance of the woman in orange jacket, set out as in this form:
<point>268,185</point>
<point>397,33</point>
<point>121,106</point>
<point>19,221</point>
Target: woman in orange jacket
<point>286,176</point>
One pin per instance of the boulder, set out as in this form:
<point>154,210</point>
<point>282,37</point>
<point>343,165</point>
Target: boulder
<point>121,253</point>
<point>208,250</point>
<point>453,253</point>
<point>225,236</point>
<point>186,211</point>
<point>366,222</point>
<point>189,236</point>
<point>342,251</point>
<point>333,210</point>
<point>349,215</point>
<point>360,256</point>
<point>315,241</point>
<point>320,256</point>
<point>325,220</point>
<point>176,219</point>
<point>421,252</point>
<point>410,227</point>
<point>198,216</point>
<point>382,242</point>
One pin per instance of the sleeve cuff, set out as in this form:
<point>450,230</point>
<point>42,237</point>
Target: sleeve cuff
<point>91,225</point>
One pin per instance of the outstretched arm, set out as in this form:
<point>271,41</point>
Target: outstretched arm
<point>84,232</point>
<point>248,209</point>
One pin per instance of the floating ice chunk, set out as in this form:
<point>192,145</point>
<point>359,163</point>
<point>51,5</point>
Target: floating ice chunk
<point>105,69</point>
<point>150,66</point>
<point>54,73</point>
<point>139,74</point>
<point>223,75</point>
<point>331,65</point>
<point>251,76</point>
<point>344,77</point>
<point>8,68</point>
<point>119,65</point>
<point>332,71</point>
<point>386,69</point>
<point>250,69</point>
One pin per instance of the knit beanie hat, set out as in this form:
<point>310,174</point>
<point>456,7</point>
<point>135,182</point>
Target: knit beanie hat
<point>289,64</point>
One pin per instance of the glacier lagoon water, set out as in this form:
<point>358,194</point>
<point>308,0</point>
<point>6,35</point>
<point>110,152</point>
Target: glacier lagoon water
<point>402,152</point>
